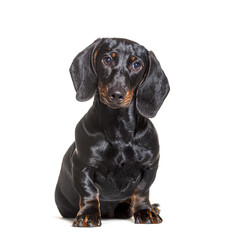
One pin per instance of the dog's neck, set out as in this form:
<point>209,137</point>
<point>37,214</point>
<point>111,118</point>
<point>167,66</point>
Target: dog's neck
<point>118,124</point>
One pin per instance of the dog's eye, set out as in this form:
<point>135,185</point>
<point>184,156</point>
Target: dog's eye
<point>107,60</point>
<point>137,66</point>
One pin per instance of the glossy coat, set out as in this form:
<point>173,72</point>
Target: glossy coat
<point>108,170</point>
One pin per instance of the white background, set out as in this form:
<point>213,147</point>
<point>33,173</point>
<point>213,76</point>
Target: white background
<point>197,43</point>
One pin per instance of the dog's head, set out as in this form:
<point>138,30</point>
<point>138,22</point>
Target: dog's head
<point>120,69</point>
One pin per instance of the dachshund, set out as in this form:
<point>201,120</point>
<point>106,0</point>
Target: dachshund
<point>108,170</point>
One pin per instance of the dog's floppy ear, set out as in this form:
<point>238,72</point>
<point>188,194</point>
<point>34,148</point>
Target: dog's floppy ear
<point>83,72</point>
<point>153,90</point>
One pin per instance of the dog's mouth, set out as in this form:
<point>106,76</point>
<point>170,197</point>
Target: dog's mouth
<point>104,98</point>
<point>107,101</point>
<point>111,102</point>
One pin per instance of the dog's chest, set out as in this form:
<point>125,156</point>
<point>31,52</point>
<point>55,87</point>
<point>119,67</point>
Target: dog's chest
<point>117,182</point>
<point>118,172</point>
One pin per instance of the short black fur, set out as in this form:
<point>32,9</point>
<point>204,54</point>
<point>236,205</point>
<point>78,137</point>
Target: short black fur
<point>108,170</point>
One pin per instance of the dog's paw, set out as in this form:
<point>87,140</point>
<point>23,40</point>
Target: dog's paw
<point>87,220</point>
<point>147,216</point>
<point>155,208</point>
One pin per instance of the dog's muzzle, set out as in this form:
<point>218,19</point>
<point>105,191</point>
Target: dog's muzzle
<point>116,95</point>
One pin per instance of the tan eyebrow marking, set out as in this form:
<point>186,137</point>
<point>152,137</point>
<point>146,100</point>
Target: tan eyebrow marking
<point>113,54</point>
<point>132,58</point>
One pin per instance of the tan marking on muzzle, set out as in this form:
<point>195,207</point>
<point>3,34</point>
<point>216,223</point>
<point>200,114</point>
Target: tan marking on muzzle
<point>103,91</point>
<point>127,100</point>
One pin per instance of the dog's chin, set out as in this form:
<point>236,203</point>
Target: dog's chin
<point>117,106</point>
<point>113,105</point>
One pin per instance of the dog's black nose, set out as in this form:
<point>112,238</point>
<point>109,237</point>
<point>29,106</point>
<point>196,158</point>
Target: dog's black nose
<point>116,95</point>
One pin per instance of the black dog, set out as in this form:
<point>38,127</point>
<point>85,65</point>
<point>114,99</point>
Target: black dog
<point>108,170</point>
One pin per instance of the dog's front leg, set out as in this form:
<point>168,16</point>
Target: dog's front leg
<point>89,205</point>
<point>142,209</point>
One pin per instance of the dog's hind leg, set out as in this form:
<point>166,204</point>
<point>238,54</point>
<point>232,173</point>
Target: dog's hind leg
<point>66,209</point>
